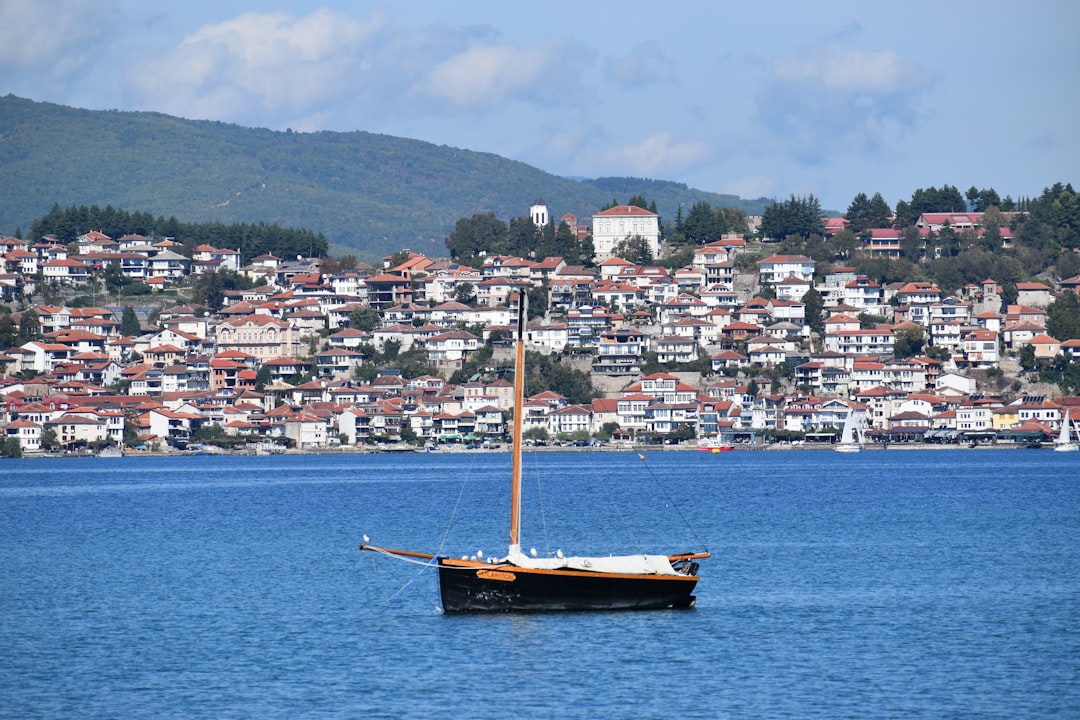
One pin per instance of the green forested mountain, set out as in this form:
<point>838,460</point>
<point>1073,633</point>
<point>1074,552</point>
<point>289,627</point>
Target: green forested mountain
<point>367,194</point>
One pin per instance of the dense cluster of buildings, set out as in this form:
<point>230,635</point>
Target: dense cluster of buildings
<point>237,368</point>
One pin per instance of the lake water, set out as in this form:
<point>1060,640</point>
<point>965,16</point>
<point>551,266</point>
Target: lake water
<point>888,584</point>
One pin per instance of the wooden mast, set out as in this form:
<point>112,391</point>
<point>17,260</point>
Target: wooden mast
<point>519,413</point>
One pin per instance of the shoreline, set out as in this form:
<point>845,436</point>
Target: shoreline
<point>452,450</point>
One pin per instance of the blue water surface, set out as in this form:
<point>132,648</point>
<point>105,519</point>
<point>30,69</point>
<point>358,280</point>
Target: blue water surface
<point>888,584</point>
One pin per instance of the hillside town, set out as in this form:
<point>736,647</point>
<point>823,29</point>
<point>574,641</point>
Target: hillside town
<point>282,365</point>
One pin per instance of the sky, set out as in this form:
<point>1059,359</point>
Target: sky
<point>769,99</point>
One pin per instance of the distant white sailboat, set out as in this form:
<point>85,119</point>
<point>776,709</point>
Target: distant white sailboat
<point>1064,443</point>
<point>848,443</point>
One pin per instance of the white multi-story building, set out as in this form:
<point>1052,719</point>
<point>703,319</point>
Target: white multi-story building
<point>833,288</point>
<point>553,337</point>
<point>980,348</point>
<point>451,349</point>
<point>621,352</point>
<point>775,268</point>
<point>878,341</point>
<point>862,293</point>
<point>623,222</point>
<point>974,417</point>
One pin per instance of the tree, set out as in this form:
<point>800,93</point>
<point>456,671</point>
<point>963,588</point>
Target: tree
<point>982,200</point>
<point>683,432</point>
<point>858,214</point>
<point>365,318</point>
<point>908,342</point>
<point>483,233</point>
<point>565,243</point>
<point>49,440</point>
<point>947,199</point>
<point>129,322</point>
<point>465,293</point>
<point>905,216</point>
<point>399,258</point>
<point>263,377</point>
<point>114,278</point>
<point>209,288</point>
<point>814,309</point>
<point>947,241</point>
<point>795,216</point>
<point>472,367</point>
<point>521,237</point>
<point>880,212</point>
<point>576,437</point>
<point>606,430</point>
<point>547,372</point>
<point>678,259</point>
<point>391,348</point>
<point>8,331</point>
<point>208,431</point>
<point>911,243</point>
<point>537,297</point>
<point>131,428</point>
<point>701,224</point>
<point>11,448</point>
<point>635,249</point>
<point>844,245</point>
<point>29,327</point>
<point>536,433</point>
<point>1068,265</point>
<point>1027,357</point>
<point>1063,317</point>
<point>254,239</point>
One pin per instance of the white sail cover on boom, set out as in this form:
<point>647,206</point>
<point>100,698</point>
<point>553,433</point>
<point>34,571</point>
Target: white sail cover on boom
<point>618,564</point>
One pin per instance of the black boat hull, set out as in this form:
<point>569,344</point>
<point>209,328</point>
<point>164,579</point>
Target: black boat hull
<point>468,587</point>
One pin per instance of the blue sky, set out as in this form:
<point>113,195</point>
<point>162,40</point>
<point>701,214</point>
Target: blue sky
<point>757,99</point>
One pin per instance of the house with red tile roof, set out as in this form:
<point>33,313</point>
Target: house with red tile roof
<point>259,336</point>
<point>623,222</point>
<point>1033,294</point>
<point>1046,347</point>
<point>978,349</point>
<point>776,268</point>
<point>26,433</point>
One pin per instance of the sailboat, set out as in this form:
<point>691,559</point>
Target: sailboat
<point>848,443</point>
<point>525,583</point>
<point>1064,443</point>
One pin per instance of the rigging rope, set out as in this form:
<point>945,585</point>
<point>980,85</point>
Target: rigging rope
<point>671,500</point>
<point>429,563</point>
<point>540,502</point>
<point>628,530</point>
<point>404,587</point>
<point>457,504</point>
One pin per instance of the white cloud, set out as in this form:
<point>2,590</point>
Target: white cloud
<point>751,186</point>
<point>850,71</point>
<point>330,70</point>
<point>44,43</point>
<point>563,144</point>
<point>487,75</point>
<point>658,155</point>
<point>271,60</point>
<point>832,101</point>
<point>645,64</point>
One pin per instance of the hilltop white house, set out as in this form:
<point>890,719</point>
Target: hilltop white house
<point>622,222</point>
